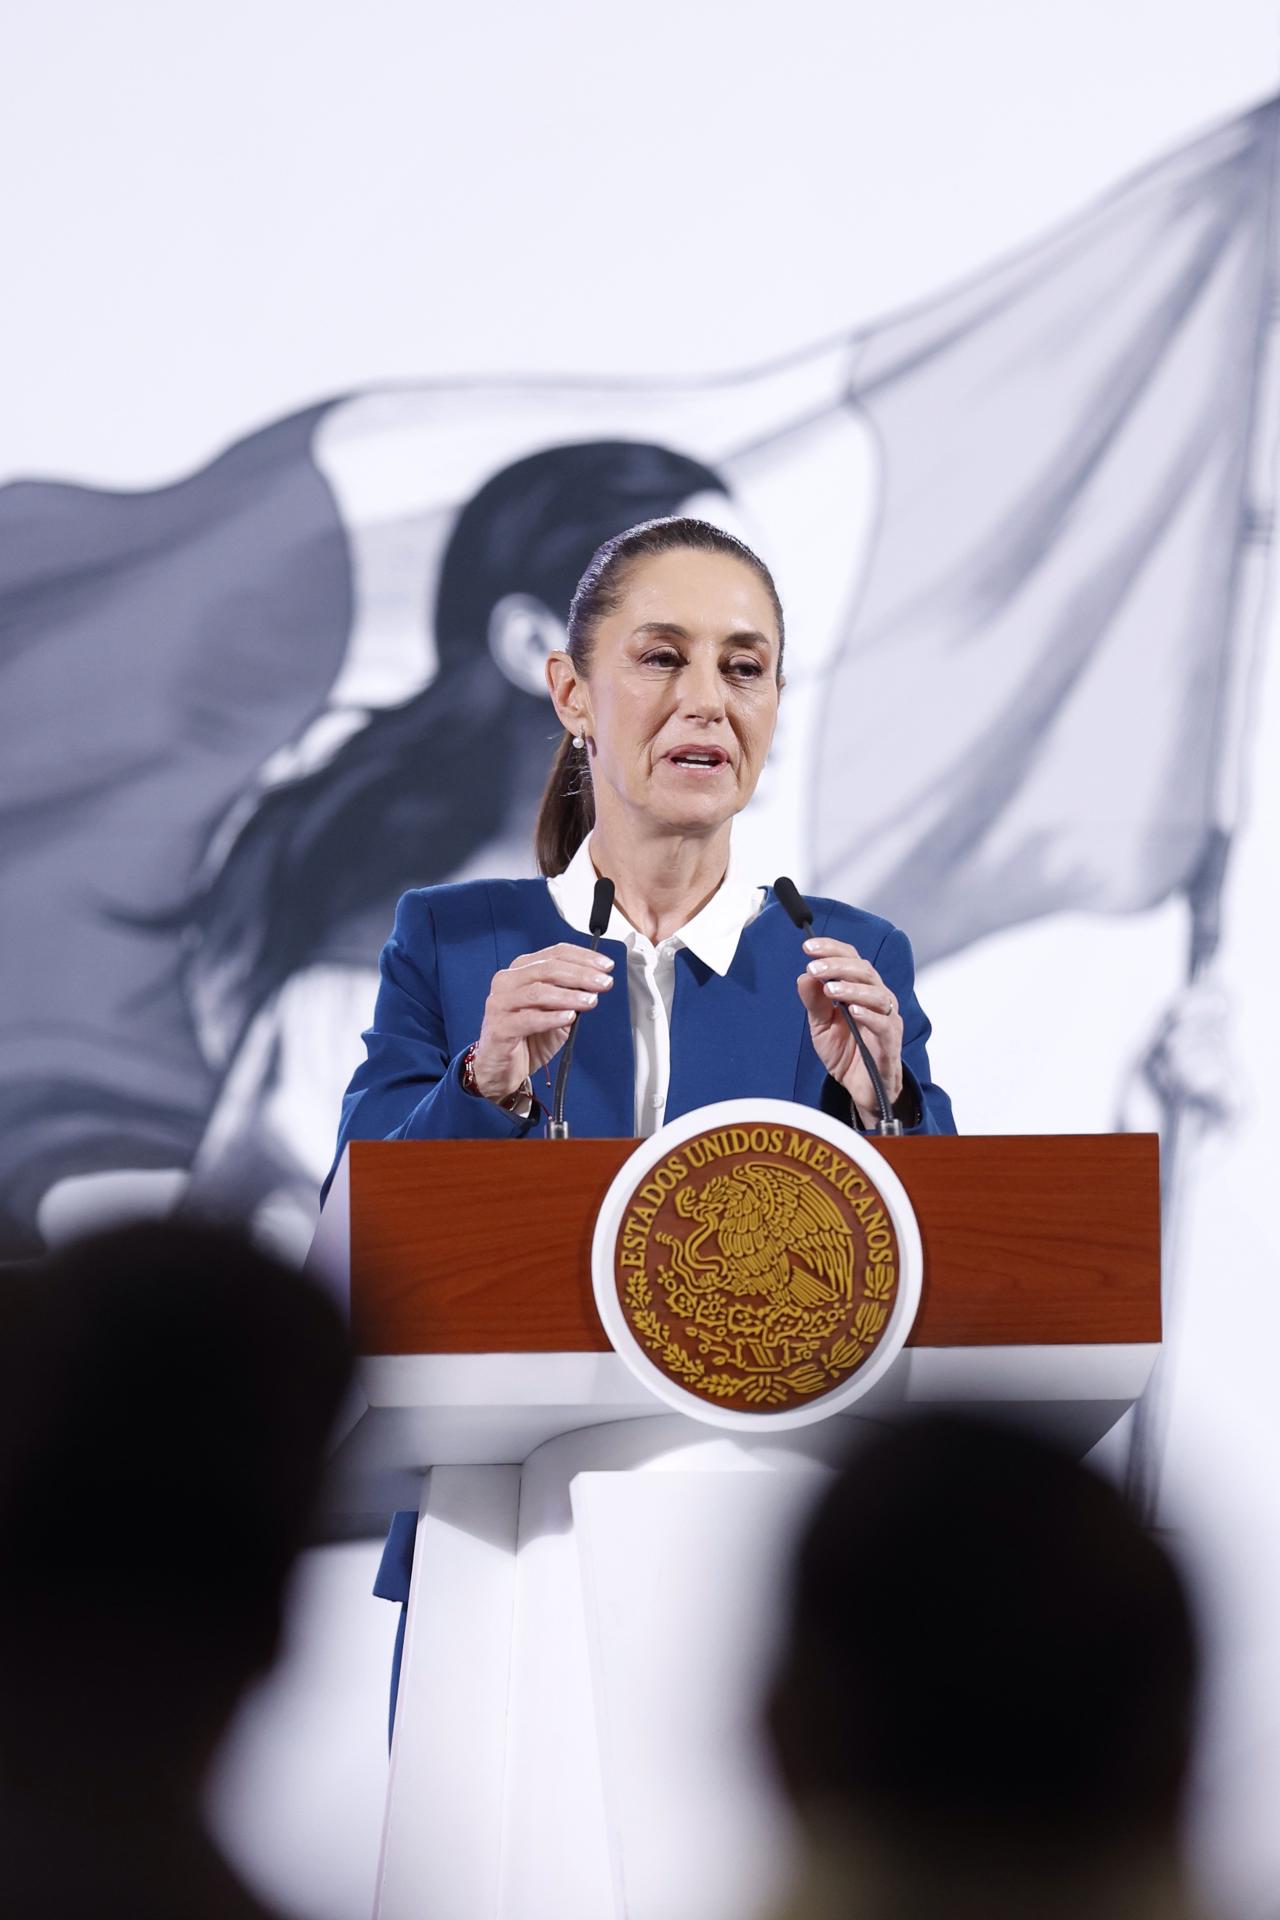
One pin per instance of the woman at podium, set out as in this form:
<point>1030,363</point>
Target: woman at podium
<point>668,692</point>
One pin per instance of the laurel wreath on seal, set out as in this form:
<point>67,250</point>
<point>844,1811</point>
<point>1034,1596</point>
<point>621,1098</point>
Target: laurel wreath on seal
<point>766,1389</point>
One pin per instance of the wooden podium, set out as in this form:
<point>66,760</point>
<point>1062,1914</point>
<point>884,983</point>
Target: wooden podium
<point>595,1580</point>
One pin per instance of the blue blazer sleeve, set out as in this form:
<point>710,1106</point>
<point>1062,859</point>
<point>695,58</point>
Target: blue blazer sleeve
<point>923,1107</point>
<point>409,1085</point>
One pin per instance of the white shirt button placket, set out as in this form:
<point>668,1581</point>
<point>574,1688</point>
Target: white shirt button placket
<point>651,973</point>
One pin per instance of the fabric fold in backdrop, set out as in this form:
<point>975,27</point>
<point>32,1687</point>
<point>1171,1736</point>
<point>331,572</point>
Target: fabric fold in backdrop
<point>1053,607</point>
<point>155,648</point>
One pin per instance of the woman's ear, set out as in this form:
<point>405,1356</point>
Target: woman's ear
<point>568,692</point>
<point>523,632</point>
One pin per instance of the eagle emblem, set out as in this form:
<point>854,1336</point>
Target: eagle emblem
<point>759,1296</point>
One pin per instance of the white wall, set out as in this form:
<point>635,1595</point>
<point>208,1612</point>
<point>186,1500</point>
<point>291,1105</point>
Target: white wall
<point>218,213</point>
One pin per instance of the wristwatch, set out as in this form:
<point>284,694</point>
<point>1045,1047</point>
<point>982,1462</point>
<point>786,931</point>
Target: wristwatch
<point>518,1104</point>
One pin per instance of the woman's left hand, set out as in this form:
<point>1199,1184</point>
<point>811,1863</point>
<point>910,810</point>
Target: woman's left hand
<point>837,973</point>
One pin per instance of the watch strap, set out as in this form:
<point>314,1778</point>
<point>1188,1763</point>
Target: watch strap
<point>519,1103</point>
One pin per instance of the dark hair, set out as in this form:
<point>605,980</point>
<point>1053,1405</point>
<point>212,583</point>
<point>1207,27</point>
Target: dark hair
<point>166,1394</point>
<point>319,865</point>
<point>568,809</point>
<point>984,1642</point>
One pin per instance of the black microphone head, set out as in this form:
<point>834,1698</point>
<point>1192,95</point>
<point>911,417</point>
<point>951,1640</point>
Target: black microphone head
<point>601,908</point>
<point>790,897</point>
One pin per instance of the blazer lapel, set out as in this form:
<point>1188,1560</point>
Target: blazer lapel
<point>731,1036</point>
<point>600,1100</point>
<point>742,1034</point>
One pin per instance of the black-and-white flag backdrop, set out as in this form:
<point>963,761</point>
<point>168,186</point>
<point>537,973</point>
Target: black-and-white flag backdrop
<point>340,338</point>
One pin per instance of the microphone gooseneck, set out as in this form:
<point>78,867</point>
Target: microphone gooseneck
<point>797,907</point>
<point>601,908</point>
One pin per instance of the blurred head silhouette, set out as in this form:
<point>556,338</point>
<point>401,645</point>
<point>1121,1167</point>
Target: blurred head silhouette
<point>988,1681</point>
<point>165,1396</point>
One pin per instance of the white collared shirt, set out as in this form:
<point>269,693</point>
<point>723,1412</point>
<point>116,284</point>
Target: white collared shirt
<point>712,935</point>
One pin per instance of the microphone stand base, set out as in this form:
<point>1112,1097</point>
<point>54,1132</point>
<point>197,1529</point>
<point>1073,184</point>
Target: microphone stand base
<point>559,1129</point>
<point>892,1128</point>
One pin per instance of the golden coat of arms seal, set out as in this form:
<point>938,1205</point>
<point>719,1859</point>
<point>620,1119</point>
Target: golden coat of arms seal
<point>756,1261</point>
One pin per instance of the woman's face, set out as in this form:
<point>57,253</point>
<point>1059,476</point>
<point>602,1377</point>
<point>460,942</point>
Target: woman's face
<point>681,697</point>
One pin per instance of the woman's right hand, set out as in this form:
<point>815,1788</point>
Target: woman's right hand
<point>532,1005</point>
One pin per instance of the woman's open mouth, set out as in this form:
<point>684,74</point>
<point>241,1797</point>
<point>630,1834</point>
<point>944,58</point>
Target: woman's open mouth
<point>698,760</point>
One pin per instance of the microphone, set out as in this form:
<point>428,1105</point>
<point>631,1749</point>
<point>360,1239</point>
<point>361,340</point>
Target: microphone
<point>797,907</point>
<point>601,908</point>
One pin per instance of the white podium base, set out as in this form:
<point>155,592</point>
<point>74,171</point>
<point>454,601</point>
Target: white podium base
<point>587,1639</point>
<point>411,1411</point>
<point>588,1632</point>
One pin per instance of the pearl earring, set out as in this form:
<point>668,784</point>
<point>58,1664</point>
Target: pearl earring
<point>580,741</point>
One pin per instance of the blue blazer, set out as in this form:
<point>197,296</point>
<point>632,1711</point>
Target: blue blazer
<point>744,1034</point>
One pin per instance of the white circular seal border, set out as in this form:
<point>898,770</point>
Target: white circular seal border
<point>735,1113</point>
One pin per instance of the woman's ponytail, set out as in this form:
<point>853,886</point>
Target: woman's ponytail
<point>568,810</point>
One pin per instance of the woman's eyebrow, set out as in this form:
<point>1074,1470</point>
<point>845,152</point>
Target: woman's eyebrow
<point>746,637</point>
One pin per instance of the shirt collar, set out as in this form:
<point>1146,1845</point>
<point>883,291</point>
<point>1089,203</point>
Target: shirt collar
<point>711,936</point>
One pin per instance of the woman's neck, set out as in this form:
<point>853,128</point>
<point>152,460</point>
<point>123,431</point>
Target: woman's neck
<point>660,882</point>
